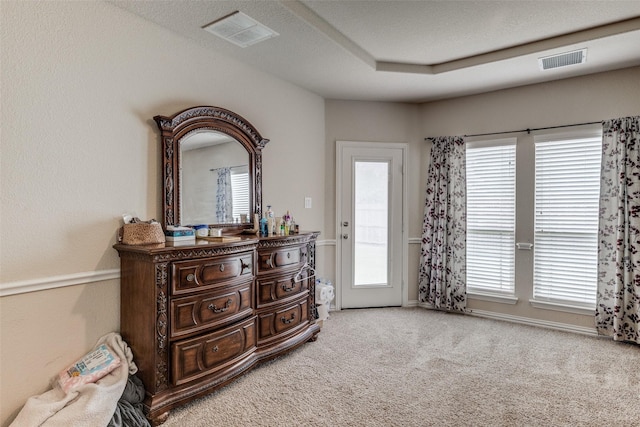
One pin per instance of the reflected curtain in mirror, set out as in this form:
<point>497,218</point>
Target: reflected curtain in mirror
<point>224,200</point>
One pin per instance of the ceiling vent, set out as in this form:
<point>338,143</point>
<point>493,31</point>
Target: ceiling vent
<point>563,59</point>
<point>240,29</point>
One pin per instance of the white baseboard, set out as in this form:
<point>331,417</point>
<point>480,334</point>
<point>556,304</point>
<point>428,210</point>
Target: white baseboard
<point>567,327</point>
<point>535,322</point>
<point>54,282</point>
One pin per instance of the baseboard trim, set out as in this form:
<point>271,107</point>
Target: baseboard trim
<point>54,282</point>
<point>566,327</point>
<point>326,242</point>
<point>535,322</point>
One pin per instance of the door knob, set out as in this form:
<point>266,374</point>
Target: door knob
<point>345,236</point>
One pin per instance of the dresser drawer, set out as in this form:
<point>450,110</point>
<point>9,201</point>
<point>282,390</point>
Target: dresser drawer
<point>209,272</point>
<point>211,353</point>
<point>272,260</point>
<point>278,324</point>
<point>278,289</point>
<point>195,313</point>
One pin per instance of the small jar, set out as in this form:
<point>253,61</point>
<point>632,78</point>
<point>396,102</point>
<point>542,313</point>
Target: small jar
<point>201,230</point>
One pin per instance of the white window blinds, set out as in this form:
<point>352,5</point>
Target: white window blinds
<point>240,192</point>
<point>567,185</point>
<point>491,183</point>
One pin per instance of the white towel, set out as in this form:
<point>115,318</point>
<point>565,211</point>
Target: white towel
<point>90,404</point>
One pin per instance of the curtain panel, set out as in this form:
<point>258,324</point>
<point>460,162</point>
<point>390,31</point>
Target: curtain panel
<point>442,276</point>
<point>224,196</point>
<point>618,296</point>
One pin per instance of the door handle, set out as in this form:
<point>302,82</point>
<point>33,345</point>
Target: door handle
<point>345,236</point>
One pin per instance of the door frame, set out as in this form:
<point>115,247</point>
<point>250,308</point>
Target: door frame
<point>340,144</point>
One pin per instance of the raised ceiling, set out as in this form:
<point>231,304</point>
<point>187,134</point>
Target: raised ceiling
<point>413,51</point>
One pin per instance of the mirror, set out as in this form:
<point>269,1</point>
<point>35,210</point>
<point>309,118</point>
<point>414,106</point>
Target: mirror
<point>214,177</point>
<point>211,168</point>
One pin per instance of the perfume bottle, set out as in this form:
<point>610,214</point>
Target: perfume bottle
<point>271,230</point>
<point>287,223</point>
<point>263,226</point>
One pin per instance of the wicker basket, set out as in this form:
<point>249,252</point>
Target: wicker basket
<point>141,233</point>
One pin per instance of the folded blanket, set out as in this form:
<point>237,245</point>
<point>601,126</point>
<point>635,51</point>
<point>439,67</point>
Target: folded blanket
<point>90,404</point>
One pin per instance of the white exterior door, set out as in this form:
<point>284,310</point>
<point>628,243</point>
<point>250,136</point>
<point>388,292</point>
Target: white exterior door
<point>370,224</point>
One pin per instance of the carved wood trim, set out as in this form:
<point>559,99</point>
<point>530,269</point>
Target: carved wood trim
<point>216,113</point>
<point>311,260</point>
<point>284,241</point>
<point>162,343</point>
<point>202,253</point>
<point>178,254</point>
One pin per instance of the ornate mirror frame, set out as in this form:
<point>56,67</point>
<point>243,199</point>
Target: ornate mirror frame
<point>197,119</point>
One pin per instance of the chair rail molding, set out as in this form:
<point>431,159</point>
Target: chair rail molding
<point>54,282</point>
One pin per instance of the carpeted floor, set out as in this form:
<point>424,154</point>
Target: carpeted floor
<point>415,367</point>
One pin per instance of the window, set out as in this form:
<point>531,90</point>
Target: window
<point>567,186</point>
<point>491,182</point>
<point>240,192</point>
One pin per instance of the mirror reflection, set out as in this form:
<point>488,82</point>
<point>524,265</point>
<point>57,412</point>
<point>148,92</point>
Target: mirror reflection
<point>214,178</point>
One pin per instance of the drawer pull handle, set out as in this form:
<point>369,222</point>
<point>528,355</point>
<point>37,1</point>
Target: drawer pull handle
<point>221,267</point>
<point>288,288</point>
<point>215,309</point>
<point>243,265</point>
<point>287,321</point>
<point>215,349</point>
<point>288,255</point>
<point>190,277</point>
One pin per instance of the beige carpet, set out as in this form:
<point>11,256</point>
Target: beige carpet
<point>414,367</point>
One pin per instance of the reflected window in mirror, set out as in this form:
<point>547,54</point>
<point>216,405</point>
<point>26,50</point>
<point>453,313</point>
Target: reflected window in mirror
<point>240,193</point>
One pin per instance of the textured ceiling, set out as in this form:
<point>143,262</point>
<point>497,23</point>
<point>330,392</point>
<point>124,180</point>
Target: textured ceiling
<point>413,51</point>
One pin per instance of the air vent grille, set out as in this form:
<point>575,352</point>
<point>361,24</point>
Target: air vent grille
<point>240,29</point>
<point>563,59</point>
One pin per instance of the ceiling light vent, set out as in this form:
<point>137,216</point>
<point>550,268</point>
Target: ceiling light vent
<point>563,59</point>
<point>240,29</point>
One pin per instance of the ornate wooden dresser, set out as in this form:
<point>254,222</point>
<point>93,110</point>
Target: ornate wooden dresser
<point>196,316</point>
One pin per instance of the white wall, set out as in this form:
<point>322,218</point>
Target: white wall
<point>81,82</point>
<point>374,122</point>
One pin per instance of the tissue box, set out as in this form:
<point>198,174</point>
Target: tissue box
<point>174,233</point>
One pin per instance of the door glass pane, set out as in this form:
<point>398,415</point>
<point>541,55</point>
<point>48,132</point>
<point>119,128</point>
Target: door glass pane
<point>371,239</point>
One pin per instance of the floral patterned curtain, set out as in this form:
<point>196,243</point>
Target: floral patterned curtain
<point>618,297</point>
<point>442,278</point>
<point>224,201</point>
